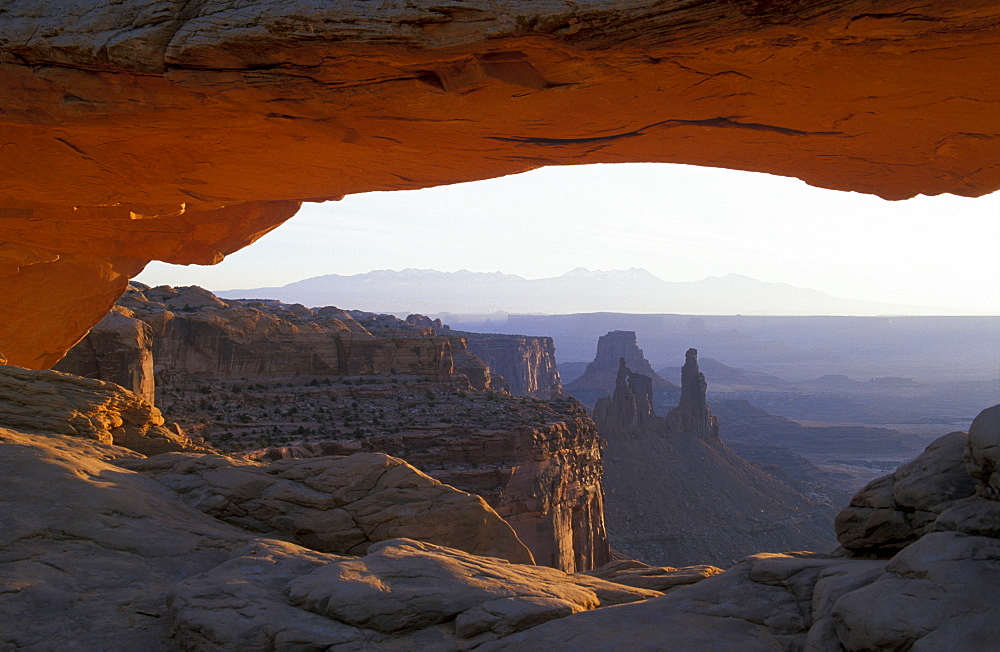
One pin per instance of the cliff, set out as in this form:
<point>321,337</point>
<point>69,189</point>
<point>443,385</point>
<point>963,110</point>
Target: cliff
<point>194,332</point>
<point>119,349</point>
<point>527,364</point>
<point>677,493</point>
<point>601,375</point>
<point>357,381</point>
<point>538,464</point>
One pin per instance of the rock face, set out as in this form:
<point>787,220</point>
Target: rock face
<point>630,406</point>
<point>49,401</point>
<point>601,375</point>
<point>527,364</point>
<point>545,480</point>
<point>195,332</point>
<point>949,487</point>
<point>677,495</point>
<point>338,505</point>
<point>88,547</point>
<point>119,349</point>
<point>415,96</point>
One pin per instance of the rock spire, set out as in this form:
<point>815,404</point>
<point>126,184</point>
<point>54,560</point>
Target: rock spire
<point>692,416</point>
<point>629,407</point>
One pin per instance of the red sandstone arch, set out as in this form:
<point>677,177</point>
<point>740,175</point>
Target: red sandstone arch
<point>182,131</point>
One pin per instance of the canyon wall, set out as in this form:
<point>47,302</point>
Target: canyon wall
<point>528,364</point>
<point>545,480</point>
<point>119,349</point>
<point>194,332</point>
<point>538,464</point>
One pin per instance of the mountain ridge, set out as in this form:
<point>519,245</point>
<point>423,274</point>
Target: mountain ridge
<point>580,289</point>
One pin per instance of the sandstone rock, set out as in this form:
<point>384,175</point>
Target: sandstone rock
<point>527,364</point>
<point>982,456</point>
<point>601,375</point>
<point>54,402</point>
<point>387,591</point>
<point>896,510</point>
<point>338,505</point>
<point>766,602</point>
<point>88,550</point>
<point>692,415</point>
<point>936,594</point>
<point>630,407</point>
<point>119,349</point>
<point>194,332</point>
<point>113,98</point>
<point>638,574</point>
<point>676,494</point>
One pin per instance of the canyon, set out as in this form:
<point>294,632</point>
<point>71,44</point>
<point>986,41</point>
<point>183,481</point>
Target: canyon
<point>275,381</point>
<point>677,494</point>
<point>179,131</point>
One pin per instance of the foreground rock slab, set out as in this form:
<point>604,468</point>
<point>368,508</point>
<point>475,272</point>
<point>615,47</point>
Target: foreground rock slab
<point>336,504</point>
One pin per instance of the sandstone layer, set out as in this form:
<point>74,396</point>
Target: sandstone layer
<point>195,332</point>
<point>527,364</point>
<point>165,118</point>
<point>53,402</point>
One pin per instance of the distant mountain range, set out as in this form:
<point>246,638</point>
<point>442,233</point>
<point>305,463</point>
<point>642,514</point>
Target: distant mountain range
<point>581,290</point>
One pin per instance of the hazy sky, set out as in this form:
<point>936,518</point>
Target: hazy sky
<point>681,223</point>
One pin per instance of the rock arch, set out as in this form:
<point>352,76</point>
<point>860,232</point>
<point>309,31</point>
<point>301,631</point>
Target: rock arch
<point>182,130</point>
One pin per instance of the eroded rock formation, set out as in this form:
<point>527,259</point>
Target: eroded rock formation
<point>949,487</point>
<point>527,364</point>
<point>546,480</point>
<point>164,120</point>
<point>119,349</point>
<point>54,402</point>
<point>692,416</point>
<point>195,332</point>
<point>601,375</point>
<point>676,494</point>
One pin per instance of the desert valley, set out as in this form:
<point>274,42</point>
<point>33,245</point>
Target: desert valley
<point>455,461</point>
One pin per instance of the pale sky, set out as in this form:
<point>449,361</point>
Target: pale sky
<point>681,223</point>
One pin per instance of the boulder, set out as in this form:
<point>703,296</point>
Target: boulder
<point>893,511</point>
